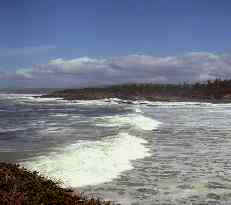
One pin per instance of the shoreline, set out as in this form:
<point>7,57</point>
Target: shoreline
<point>132,99</point>
<point>217,91</point>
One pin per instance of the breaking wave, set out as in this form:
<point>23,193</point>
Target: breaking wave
<point>134,120</point>
<point>89,163</point>
<point>94,162</point>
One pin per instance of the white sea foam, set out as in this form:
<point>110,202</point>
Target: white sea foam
<point>174,104</point>
<point>222,105</point>
<point>135,120</point>
<point>75,116</point>
<point>28,98</point>
<point>138,110</point>
<point>12,129</point>
<point>89,163</point>
<point>37,99</point>
<point>92,102</point>
<point>116,101</point>
<point>14,95</point>
<point>60,115</point>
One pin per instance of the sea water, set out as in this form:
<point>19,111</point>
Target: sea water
<point>140,153</point>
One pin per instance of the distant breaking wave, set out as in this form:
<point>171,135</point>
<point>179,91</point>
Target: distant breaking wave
<point>137,121</point>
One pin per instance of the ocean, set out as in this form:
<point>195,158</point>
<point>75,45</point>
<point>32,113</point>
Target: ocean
<point>149,153</point>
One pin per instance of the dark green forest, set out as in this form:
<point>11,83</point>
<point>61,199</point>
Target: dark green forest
<point>211,90</point>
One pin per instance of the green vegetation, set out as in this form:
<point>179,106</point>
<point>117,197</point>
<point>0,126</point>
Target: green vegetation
<point>19,186</point>
<point>209,90</point>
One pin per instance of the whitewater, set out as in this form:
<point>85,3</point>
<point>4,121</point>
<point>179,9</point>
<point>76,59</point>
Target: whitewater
<point>138,153</point>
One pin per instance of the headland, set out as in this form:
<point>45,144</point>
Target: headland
<point>210,91</point>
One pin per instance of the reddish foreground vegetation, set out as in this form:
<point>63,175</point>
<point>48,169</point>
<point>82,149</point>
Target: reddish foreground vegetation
<point>19,186</point>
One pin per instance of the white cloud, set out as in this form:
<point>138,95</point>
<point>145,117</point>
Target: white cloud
<point>86,71</point>
<point>75,66</point>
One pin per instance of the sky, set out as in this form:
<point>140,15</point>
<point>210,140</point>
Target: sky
<point>79,43</point>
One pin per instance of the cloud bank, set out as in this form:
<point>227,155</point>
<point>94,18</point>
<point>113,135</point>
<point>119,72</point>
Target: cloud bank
<point>86,71</point>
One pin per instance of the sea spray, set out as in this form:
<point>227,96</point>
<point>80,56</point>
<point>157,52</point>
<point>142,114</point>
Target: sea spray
<point>134,120</point>
<point>90,163</point>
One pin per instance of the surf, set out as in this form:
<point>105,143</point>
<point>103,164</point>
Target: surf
<point>91,163</point>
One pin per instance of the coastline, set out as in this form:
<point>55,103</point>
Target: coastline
<point>122,97</point>
<point>211,92</point>
<point>141,99</point>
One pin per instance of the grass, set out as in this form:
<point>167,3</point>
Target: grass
<point>19,186</point>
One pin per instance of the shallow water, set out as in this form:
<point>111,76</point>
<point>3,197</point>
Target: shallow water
<point>145,153</point>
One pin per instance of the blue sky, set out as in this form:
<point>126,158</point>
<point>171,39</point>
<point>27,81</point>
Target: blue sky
<point>36,33</point>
